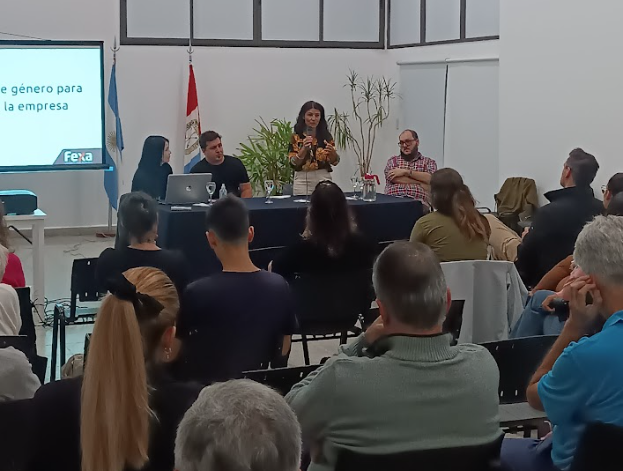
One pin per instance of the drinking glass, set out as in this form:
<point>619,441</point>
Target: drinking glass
<point>355,181</point>
<point>269,186</point>
<point>211,187</point>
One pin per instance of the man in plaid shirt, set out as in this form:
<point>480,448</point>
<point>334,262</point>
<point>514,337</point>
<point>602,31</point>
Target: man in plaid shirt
<point>408,174</point>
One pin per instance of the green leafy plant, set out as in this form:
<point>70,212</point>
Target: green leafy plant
<point>265,155</point>
<point>371,98</point>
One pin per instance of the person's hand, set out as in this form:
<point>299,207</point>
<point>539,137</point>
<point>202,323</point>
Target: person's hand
<point>545,304</point>
<point>375,331</point>
<point>308,141</point>
<point>329,148</point>
<point>525,232</point>
<point>397,173</point>
<point>581,315</point>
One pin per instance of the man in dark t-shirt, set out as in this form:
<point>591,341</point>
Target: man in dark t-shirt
<point>238,320</point>
<point>225,169</point>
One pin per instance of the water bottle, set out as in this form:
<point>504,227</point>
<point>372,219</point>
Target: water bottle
<point>222,193</point>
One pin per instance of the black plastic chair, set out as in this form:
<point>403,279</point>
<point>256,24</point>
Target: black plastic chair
<point>469,458</point>
<point>517,361</point>
<point>22,343</point>
<point>25,311</point>
<point>281,379</point>
<point>329,305</point>
<point>599,449</point>
<point>17,419</point>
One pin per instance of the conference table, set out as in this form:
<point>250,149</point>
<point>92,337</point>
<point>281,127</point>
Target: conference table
<point>278,225</point>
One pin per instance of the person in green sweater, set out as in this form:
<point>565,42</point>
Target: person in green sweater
<point>455,230</point>
<point>400,386</point>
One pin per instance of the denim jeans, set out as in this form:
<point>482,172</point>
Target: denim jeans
<point>535,320</point>
<point>527,454</point>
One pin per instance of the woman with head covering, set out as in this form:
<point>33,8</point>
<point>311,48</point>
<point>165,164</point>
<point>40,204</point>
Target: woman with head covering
<point>312,150</point>
<point>153,169</point>
<point>17,381</point>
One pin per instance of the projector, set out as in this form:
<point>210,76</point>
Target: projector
<point>18,201</point>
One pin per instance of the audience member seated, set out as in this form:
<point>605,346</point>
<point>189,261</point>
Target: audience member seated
<point>225,169</point>
<point>124,412</point>
<point>538,317</point>
<point>138,214</point>
<point>153,171</point>
<point>17,381</point>
<point>556,225</point>
<point>455,230</point>
<point>408,174</point>
<point>13,273</point>
<point>239,319</point>
<point>238,425</point>
<point>581,378</point>
<point>401,386</point>
<point>330,242</point>
<point>503,240</point>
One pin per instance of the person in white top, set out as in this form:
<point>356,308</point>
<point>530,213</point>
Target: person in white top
<point>17,381</point>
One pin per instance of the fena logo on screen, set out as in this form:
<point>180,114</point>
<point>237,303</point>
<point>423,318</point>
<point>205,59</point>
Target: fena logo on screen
<point>71,157</point>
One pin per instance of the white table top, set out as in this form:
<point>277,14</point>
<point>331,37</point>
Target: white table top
<point>37,215</point>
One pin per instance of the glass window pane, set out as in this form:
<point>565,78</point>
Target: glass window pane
<point>443,20</point>
<point>404,22</point>
<point>482,18</point>
<point>158,19</point>
<point>293,20</point>
<point>351,20</point>
<point>223,19</point>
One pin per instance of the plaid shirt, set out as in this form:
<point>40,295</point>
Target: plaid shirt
<point>412,190</point>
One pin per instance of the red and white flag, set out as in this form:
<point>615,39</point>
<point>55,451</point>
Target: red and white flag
<point>192,151</point>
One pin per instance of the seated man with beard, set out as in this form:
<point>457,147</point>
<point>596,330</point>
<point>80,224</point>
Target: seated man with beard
<point>408,174</point>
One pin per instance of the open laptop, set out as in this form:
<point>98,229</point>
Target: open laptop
<point>187,189</point>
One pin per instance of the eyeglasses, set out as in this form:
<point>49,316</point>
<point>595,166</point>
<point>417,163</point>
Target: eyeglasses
<point>405,143</point>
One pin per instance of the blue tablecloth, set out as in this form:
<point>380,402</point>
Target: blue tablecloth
<point>278,225</point>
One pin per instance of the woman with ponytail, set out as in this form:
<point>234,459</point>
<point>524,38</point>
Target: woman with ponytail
<point>455,230</point>
<point>123,414</point>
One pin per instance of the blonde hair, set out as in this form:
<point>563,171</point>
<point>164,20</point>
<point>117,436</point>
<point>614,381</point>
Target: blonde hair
<point>115,413</point>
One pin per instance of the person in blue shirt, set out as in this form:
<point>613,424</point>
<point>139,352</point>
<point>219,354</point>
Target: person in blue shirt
<point>581,379</point>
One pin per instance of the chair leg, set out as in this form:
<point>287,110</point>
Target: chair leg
<point>54,346</point>
<point>343,337</point>
<point>63,338</point>
<point>305,349</point>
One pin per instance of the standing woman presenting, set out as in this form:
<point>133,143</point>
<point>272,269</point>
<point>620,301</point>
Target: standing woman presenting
<point>312,150</point>
<point>153,169</point>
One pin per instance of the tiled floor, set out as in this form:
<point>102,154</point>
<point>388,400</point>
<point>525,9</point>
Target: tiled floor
<point>59,255</point>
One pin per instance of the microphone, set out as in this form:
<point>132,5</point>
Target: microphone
<point>309,131</point>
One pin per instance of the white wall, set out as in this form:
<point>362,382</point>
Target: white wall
<point>235,86</point>
<point>560,86</point>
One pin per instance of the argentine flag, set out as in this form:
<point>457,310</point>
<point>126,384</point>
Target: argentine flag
<point>111,179</point>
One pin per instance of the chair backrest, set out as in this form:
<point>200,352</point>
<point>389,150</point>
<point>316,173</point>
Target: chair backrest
<point>599,449</point>
<point>281,379</point>
<point>517,361</point>
<point>331,302</point>
<point>494,297</point>
<point>469,458</point>
<point>24,344</point>
<point>25,311</point>
<point>84,284</point>
<point>17,419</point>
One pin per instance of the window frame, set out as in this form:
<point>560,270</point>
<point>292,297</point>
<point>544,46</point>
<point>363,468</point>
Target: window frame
<point>462,37</point>
<point>257,40</point>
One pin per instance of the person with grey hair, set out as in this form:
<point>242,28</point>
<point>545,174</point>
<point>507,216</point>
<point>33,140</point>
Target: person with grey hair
<point>238,425</point>
<point>556,225</point>
<point>401,386</point>
<point>581,378</point>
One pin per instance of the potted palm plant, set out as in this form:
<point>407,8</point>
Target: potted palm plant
<point>357,129</point>
<point>265,155</point>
